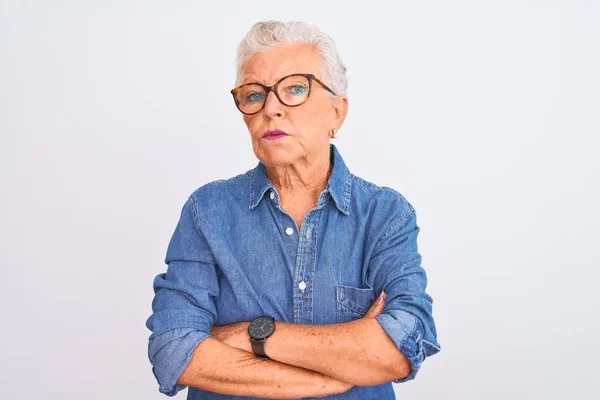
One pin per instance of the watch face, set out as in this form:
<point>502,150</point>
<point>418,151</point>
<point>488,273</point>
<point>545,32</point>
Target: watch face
<point>261,328</point>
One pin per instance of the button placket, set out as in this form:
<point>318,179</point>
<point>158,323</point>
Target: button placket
<point>305,268</point>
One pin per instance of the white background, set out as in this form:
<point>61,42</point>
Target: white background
<point>484,115</point>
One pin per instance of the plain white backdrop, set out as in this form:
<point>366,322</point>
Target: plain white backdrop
<point>483,114</point>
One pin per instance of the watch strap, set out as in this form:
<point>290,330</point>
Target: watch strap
<point>258,347</point>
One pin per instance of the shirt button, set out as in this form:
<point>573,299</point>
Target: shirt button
<point>272,195</point>
<point>302,285</point>
<point>289,231</point>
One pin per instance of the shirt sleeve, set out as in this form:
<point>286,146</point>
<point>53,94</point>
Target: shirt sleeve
<point>395,267</point>
<point>183,308</point>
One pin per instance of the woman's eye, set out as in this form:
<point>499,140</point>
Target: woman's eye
<point>296,90</point>
<point>254,97</point>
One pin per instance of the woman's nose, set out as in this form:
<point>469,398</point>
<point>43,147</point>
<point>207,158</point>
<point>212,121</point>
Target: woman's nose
<point>273,107</point>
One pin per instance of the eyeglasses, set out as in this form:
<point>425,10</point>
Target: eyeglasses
<point>291,90</point>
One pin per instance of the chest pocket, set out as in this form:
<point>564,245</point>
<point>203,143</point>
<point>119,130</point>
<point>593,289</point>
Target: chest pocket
<point>352,302</point>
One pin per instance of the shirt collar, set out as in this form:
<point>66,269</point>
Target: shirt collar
<point>338,186</point>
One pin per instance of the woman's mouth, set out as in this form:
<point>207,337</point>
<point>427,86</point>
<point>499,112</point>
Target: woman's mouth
<point>274,135</point>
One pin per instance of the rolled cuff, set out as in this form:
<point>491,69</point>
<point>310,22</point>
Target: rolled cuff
<point>407,332</point>
<point>166,320</point>
<point>170,353</point>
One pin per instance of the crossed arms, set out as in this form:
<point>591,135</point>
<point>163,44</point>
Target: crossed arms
<point>306,360</point>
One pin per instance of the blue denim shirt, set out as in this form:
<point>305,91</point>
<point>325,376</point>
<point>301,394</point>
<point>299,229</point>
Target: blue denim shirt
<point>236,255</point>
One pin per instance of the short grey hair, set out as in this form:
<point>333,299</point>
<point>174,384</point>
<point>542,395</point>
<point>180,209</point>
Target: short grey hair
<point>266,35</point>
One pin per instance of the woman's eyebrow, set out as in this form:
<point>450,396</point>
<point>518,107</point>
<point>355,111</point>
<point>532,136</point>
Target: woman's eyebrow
<point>255,80</point>
<point>247,81</point>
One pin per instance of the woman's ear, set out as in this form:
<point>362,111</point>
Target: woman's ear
<point>340,107</point>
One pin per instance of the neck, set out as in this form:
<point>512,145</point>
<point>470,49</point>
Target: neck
<point>302,178</point>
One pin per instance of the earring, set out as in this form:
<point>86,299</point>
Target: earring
<point>333,133</point>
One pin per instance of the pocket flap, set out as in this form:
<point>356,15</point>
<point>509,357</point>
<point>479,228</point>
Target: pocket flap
<point>357,299</point>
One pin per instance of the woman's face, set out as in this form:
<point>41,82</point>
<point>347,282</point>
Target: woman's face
<point>307,126</point>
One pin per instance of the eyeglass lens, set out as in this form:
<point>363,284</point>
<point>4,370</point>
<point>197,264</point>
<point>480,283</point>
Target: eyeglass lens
<point>292,91</point>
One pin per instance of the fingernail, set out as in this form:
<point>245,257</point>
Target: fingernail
<point>380,298</point>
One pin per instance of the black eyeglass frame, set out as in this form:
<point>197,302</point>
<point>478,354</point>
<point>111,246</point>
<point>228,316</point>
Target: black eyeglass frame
<point>309,77</point>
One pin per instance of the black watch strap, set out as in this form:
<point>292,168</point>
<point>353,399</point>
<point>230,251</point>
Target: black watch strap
<point>258,347</point>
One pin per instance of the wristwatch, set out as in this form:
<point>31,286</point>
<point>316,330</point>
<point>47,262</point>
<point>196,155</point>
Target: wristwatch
<point>260,329</point>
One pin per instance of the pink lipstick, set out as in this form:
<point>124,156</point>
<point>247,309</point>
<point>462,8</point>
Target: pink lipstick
<point>274,134</point>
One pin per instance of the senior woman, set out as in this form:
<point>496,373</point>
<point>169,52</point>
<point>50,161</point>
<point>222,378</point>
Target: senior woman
<point>296,278</point>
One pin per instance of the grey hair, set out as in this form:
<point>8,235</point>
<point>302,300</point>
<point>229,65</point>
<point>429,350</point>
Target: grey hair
<point>266,35</point>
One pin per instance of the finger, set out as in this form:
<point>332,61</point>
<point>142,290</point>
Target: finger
<point>377,307</point>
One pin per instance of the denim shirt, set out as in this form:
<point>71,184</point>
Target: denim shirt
<point>236,255</point>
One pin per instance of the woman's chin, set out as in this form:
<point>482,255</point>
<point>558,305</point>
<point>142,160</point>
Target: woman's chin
<point>275,156</point>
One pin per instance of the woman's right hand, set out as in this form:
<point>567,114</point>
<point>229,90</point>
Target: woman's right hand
<point>377,306</point>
